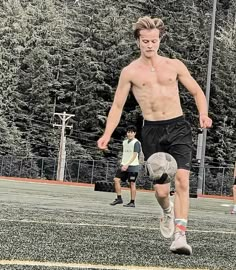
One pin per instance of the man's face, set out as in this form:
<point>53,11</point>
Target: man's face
<point>149,42</point>
<point>130,134</point>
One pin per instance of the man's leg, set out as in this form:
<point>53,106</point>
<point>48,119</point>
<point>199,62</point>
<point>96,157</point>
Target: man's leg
<point>132,178</point>
<point>179,244</point>
<point>132,191</point>
<point>118,200</point>
<point>117,186</point>
<point>162,192</point>
<point>181,194</point>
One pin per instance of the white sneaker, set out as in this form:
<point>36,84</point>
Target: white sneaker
<point>167,223</point>
<point>233,211</point>
<point>179,245</point>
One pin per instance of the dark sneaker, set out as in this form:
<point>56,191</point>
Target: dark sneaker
<point>117,201</point>
<point>130,204</point>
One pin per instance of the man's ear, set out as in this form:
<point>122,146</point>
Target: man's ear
<point>137,42</point>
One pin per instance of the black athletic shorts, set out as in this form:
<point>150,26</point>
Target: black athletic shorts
<point>124,175</point>
<point>172,136</point>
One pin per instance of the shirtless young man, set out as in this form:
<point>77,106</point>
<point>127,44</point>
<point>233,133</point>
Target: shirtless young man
<point>154,82</point>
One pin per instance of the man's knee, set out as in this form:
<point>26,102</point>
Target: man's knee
<point>132,183</point>
<point>116,180</point>
<point>162,191</point>
<point>182,181</point>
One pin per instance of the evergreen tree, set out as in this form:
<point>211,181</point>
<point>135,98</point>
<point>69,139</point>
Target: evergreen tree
<point>62,55</point>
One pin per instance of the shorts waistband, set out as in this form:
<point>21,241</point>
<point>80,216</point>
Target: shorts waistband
<point>163,122</point>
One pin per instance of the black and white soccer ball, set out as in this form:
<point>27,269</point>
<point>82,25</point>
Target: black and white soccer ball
<point>161,166</point>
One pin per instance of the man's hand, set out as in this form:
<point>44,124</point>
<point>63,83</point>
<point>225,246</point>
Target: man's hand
<point>103,142</point>
<point>124,167</point>
<point>205,121</point>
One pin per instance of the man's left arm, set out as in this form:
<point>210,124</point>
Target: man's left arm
<point>193,87</point>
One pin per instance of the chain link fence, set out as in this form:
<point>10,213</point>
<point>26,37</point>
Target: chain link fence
<point>217,180</point>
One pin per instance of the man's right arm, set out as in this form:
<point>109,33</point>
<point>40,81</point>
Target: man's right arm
<point>115,112</point>
<point>193,87</point>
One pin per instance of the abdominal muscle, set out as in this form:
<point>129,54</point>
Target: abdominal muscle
<point>159,102</point>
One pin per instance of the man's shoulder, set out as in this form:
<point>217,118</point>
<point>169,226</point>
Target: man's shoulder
<point>177,65</point>
<point>131,66</point>
<point>137,142</point>
<point>127,73</point>
<point>173,61</point>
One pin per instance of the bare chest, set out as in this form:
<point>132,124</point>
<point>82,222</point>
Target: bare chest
<point>153,79</point>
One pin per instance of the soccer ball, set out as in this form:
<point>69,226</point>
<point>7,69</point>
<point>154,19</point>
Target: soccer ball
<point>161,167</point>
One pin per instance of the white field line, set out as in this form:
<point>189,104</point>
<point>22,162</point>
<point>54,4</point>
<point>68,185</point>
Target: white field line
<point>108,225</point>
<point>87,266</point>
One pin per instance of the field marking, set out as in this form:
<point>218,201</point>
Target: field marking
<point>225,205</point>
<point>87,266</point>
<point>108,225</point>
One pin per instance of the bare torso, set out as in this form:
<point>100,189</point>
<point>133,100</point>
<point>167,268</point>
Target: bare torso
<point>156,91</point>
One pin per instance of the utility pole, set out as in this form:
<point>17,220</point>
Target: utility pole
<point>204,134</point>
<point>62,152</point>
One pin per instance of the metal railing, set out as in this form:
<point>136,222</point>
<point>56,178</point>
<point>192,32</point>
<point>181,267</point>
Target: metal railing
<point>217,180</point>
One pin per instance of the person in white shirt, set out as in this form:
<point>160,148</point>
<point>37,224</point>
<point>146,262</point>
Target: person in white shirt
<point>129,167</point>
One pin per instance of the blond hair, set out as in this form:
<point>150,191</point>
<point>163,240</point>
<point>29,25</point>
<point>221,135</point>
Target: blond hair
<point>147,23</point>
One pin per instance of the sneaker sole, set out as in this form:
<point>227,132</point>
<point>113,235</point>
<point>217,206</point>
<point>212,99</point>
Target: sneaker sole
<point>182,251</point>
<point>115,204</point>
